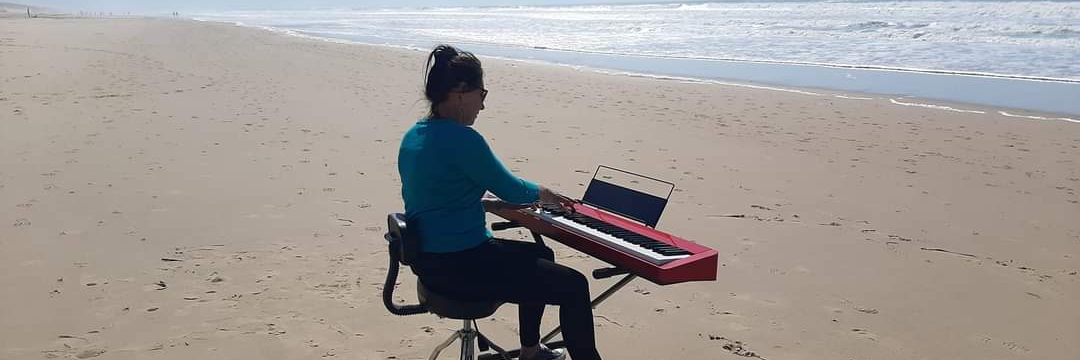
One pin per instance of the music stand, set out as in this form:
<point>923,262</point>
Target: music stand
<point>624,201</point>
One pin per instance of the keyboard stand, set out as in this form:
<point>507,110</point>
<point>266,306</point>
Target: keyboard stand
<point>597,274</point>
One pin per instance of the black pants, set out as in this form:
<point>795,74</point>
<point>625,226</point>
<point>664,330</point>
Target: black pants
<point>522,273</point>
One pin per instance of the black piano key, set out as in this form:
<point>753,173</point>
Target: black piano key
<point>646,240</point>
<point>667,252</point>
<point>651,245</point>
<point>665,248</point>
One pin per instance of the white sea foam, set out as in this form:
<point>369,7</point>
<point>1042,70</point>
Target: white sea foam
<point>1039,117</point>
<point>700,81</point>
<point>849,97</point>
<point>937,107</point>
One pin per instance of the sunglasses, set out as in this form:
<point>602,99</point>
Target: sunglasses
<point>483,92</point>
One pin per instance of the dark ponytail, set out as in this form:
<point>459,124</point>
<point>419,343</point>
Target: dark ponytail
<point>446,68</point>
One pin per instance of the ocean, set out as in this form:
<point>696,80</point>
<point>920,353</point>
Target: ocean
<point>1012,54</point>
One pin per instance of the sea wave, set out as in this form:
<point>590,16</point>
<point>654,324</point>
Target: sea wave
<point>1014,39</point>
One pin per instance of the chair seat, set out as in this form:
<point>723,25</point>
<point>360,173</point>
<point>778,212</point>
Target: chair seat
<point>445,306</point>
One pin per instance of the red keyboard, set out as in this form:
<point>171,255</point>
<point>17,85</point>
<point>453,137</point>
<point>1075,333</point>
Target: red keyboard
<point>646,252</point>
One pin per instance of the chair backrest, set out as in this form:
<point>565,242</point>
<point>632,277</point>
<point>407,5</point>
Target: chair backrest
<point>407,246</point>
<point>403,247</point>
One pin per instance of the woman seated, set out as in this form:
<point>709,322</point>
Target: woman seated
<point>446,168</point>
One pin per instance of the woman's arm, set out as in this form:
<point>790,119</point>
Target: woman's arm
<point>493,204</point>
<point>547,196</point>
<point>475,158</point>
<point>480,164</point>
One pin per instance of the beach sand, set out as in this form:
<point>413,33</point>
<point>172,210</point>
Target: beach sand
<point>182,190</point>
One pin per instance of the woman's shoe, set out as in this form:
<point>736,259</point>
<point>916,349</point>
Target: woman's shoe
<point>547,354</point>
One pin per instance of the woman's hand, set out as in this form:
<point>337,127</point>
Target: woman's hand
<point>548,196</point>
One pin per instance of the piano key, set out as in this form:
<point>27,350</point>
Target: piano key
<point>671,251</point>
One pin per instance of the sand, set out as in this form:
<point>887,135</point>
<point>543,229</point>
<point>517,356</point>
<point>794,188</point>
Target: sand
<point>178,190</point>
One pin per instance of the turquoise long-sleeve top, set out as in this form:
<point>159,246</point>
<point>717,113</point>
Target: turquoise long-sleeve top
<point>445,170</point>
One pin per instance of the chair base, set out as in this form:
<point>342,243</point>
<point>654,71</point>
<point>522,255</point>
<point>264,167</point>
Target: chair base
<point>468,336</point>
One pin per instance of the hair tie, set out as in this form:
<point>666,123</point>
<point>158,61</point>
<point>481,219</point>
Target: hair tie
<point>443,55</point>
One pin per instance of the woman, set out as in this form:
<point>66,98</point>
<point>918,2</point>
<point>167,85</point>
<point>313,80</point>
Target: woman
<point>446,167</point>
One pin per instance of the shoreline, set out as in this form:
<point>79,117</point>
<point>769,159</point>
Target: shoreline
<point>814,77</point>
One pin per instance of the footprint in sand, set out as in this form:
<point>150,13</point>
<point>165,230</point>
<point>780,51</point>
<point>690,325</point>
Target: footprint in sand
<point>735,347</point>
<point>68,352</point>
<point>1014,347</point>
<point>1008,345</point>
<point>864,334</point>
<point>89,353</point>
<point>273,329</point>
<point>870,311</point>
